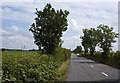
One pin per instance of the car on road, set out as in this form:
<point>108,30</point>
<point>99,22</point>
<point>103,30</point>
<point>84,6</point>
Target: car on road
<point>78,55</point>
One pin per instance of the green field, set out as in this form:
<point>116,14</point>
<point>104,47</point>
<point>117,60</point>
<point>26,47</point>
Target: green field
<point>19,53</point>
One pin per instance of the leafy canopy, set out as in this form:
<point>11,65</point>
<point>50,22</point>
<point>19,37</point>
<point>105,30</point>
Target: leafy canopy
<point>106,37</point>
<point>78,49</point>
<point>85,40</point>
<point>103,36</point>
<point>48,28</point>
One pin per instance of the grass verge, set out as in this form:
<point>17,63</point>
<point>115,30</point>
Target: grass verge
<point>63,70</point>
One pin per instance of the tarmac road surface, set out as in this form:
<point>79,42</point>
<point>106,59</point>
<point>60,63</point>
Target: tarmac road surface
<point>84,70</point>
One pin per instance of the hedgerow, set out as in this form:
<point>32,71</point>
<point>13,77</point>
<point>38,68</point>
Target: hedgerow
<point>113,58</point>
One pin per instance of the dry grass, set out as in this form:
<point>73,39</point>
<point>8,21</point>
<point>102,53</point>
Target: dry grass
<point>63,70</point>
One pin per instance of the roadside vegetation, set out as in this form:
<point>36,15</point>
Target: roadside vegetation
<point>113,58</point>
<point>103,36</point>
<point>33,67</point>
<point>50,63</point>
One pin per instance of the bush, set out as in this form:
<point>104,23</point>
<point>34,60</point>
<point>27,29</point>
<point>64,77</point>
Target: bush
<point>112,60</point>
<point>117,58</point>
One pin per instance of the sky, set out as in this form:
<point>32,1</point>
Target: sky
<point>18,15</point>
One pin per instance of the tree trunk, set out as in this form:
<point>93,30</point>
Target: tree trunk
<point>91,53</point>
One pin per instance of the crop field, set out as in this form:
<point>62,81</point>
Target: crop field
<point>19,53</point>
<point>30,66</point>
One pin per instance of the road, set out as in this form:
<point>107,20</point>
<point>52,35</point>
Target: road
<point>88,71</point>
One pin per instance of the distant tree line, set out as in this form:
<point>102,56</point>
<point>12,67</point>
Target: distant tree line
<point>4,49</point>
<point>78,49</point>
<point>102,36</point>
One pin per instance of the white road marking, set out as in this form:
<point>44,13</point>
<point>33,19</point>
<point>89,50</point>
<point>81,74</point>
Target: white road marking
<point>91,65</point>
<point>104,74</point>
<point>79,60</point>
<point>84,60</point>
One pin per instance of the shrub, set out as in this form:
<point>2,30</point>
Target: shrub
<point>112,60</point>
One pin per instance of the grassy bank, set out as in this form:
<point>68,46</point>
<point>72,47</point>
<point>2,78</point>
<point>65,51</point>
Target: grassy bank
<point>113,59</point>
<point>63,69</point>
<point>19,66</point>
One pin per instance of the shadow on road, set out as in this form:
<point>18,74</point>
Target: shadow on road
<point>100,81</point>
<point>90,62</point>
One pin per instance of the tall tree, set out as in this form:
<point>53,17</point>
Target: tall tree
<point>93,37</point>
<point>106,38</point>
<point>85,40</point>
<point>48,28</point>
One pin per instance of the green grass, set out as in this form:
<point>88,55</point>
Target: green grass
<point>19,53</point>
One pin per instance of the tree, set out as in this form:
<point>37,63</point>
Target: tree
<point>90,39</point>
<point>78,49</point>
<point>48,28</point>
<point>85,40</point>
<point>93,38</point>
<point>106,38</point>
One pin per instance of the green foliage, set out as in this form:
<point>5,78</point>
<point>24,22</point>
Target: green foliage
<point>85,40</point>
<point>103,37</point>
<point>90,39</point>
<point>112,60</point>
<point>63,53</point>
<point>93,39</point>
<point>106,38</point>
<point>78,49</point>
<point>48,28</point>
<point>30,67</point>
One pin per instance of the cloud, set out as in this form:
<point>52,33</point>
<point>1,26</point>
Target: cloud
<point>115,45</point>
<point>96,17</point>
<point>9,14</point>
<point>17,0</point>
<point>18,41</point>
<point>75,26</point>
<point>7,10</point>
<point>85,0</point>
<point>21,6</point>
<point>60,0</point>
<point>0,37</point>
<point>5,33</point>
<point>17,38</point>
<point>15,28</point>
<point>83,14</point>
<point>0,17</point>
<point>71,42</point>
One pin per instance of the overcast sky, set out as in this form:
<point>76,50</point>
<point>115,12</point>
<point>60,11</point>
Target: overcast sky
<point>17,15</point>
